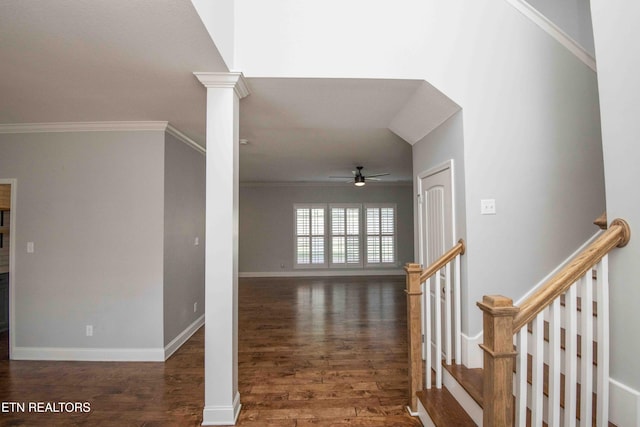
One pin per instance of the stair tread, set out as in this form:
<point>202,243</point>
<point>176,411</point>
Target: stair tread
<point>443,408</point>
<point>470,379</point>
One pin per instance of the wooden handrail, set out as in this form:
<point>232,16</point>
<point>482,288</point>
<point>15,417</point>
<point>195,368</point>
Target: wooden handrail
<point>446,258</point>
<point>601,221</point>
<point>618,235</point>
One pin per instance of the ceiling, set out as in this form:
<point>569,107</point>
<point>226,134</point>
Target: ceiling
<point>311,129</point>
<point>117,60</point>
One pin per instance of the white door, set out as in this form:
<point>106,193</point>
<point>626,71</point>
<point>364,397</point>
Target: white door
<point>436,237</point>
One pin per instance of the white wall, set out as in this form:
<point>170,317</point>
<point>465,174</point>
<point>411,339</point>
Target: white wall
<point>92,203</point>
<point>266,220</point>
<point>531,114</point>
<point>218,18</point>
<point>184,221</point>
<point>571,16</point>
<point>445,143</point>
<point>616,34</point>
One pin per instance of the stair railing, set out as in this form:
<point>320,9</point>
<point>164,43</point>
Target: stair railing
<point>505,324</point>
<point>423,326</point>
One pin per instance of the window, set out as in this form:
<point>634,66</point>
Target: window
<point>310,235</point>
<point>380,234</point>
<point>345,235</point>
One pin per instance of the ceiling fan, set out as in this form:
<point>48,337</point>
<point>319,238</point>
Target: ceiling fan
<point>359,179</point>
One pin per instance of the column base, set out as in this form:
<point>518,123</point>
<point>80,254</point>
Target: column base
<point>222,415</point>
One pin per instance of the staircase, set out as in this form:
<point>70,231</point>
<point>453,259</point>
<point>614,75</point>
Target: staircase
<point>555,337</point>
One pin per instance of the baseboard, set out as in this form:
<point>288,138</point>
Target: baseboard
<point>322,273</point>
<point>89,354</point>
<point>472,356</point>
<point>183,337</point>
<point>624,404</point>
<point>222,415</point>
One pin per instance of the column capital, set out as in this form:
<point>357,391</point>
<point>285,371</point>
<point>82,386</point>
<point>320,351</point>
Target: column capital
<point>232,79</point>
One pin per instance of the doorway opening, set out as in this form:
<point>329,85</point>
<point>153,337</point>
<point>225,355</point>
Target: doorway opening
<point>7,214</point>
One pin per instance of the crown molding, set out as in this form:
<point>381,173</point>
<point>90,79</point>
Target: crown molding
<point>156,126</point>
<point>320,184</point>
<point>83,127</point>
<point>185,139</point>
<point>554,31</point>
<point>232,79</point>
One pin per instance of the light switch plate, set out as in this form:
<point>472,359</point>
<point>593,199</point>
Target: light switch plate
<point>488,206</point>
<point>30,248</point>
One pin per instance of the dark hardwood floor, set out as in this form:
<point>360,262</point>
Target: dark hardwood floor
<point>312,352</point>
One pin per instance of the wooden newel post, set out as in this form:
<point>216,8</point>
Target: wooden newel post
<point>499,355</point>
<point>414,332</point>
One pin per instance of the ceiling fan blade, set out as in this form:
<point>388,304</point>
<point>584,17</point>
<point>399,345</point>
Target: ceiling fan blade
<point>341,177</point>
<point>373,179</point>
<point>376,175</point>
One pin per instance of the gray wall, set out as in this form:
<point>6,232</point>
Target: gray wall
<point>617,33</point>
<point>93,205</point>
<point>571,16</point>
<point>444,143</point>
<point>184,219</point>
<point>266,220</point>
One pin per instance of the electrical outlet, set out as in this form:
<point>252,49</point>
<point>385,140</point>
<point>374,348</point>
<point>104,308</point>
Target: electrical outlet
<point>195,307</point>
<point>196,241</point>
<point>89,330</point>
<point>488,207</point>
<point>30,248</point>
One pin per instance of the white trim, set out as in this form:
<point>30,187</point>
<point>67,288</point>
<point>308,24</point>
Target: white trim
<point>222,415</point>
<point>465,400</point>
<point>472,355</point>
<point>321,184</point>
<point>624,404</point>
<point>140,126</point>
<point>12,264</point>
<point>183,337</point>
<point>89,354</point>
<point>322,273</point>
<point>233,79</point>
<point>423,415</point>
<point>554,31</point>
<point>185,139</point>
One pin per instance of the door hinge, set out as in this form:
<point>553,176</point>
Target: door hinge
<point>419,199</point>
<point>423,338</point>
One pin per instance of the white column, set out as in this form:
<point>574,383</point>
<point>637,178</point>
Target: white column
<point>221,396</point>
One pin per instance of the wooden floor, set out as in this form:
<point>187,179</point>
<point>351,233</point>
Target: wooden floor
<point>329,352</point>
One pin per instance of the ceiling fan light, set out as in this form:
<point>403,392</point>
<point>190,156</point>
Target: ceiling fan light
<point>359,180</point>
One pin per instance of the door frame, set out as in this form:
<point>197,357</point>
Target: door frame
<point>449,164</point>
<point>12,263</point>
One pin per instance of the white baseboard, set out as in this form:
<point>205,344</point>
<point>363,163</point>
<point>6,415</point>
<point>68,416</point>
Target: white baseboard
<point>222,415</point>
<point>183,337</point>
<point>464,399</point>
<point>472,356</point>
<point>322,273</point>
<point>89,354</point>
<point>624,405</point>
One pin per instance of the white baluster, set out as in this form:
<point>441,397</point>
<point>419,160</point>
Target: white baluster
<point>586,374</point>
<point>554,363</point>
<point>457,310</point>
<point>521,378</point>
<point>447,312</point>
<point>427,333</point>
<point>537,371</point>
<point>571,357</point>
<point>437,360</point>
<point>602,289</point>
